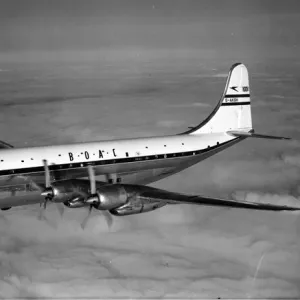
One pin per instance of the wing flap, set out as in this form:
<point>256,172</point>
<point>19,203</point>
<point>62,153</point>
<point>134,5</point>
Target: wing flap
<point>176,198</point>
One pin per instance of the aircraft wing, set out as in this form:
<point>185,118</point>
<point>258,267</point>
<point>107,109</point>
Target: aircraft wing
<point>25,199</point>
<point>176,198</point>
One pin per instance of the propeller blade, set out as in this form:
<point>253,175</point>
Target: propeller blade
<point>46,191</point>
<point>92,179</point>
<point>42,217</point>
<point>47,173</point>
<point>60,208</point>
<point>41,214</point>
<point>47,184</point>
<point>108,218</point>
<point>85,221</point>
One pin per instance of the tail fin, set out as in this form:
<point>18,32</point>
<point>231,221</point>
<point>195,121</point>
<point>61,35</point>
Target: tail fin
<point>233,111</point>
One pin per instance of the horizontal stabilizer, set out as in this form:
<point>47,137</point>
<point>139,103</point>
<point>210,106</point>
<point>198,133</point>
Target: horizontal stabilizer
<point>4,145</point>
<point>256,135</point>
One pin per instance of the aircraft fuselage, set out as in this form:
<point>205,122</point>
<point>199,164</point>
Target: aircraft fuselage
<point>151,158</point>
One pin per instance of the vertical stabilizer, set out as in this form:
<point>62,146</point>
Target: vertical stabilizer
<point>233,111</point>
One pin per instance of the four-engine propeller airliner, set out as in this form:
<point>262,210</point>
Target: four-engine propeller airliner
<point>57,173</point>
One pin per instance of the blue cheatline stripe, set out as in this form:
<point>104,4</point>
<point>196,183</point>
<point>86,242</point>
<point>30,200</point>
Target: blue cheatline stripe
<point>70,166</point>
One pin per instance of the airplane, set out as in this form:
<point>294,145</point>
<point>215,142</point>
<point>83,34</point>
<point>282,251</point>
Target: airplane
<point>67,174</point>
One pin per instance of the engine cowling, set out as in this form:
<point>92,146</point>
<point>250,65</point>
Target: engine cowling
<point>68,190</point>
<point>136,205</point>
<point>108,197</point>
<point>122,200</point>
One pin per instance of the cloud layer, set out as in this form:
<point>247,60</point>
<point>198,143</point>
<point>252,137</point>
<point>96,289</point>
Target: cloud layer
<point>172,253</point>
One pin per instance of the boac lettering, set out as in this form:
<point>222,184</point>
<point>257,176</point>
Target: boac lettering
<point>71,156</point>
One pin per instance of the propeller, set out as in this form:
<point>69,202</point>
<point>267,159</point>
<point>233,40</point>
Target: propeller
<point>86,219</point>
<point>92,179</point>
<point>48,193</point>
<point>60,209</point>
<point>93,200</point>
<point>108,218</point>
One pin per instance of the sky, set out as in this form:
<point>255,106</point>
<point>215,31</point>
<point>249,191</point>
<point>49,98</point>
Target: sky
<point>217,28</point>
<point>73,71</point>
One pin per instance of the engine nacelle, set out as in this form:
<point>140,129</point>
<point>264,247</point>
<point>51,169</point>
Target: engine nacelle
<point>136,206</point>
<point>69,190</point>
<point>110,197</point>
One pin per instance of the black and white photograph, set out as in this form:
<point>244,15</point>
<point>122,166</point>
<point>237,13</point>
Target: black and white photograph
<point>149,149</point>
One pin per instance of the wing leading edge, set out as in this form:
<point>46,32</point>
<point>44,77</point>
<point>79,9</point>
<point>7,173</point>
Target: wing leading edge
<point>176,198</point>
<point>157,195</point>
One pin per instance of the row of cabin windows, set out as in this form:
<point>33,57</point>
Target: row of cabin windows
<point>136,159</point>
<point>127,155</point>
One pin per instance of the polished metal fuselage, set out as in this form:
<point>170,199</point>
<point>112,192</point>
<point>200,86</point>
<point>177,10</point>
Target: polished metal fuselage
<point>137,171</point>
<point>140,167</point>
